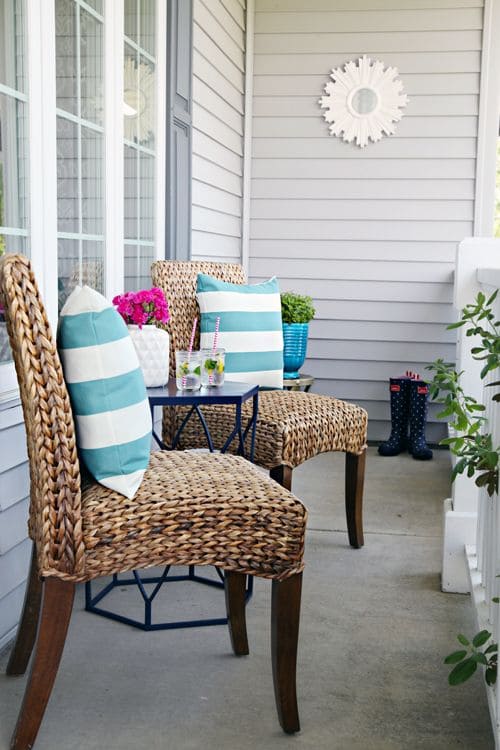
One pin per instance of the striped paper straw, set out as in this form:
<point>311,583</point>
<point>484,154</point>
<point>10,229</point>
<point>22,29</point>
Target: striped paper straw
<point>191,342</point>
<point>214,345</point>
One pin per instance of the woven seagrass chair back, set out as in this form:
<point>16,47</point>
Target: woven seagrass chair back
<point>178,281</point>
<point>50,431</point>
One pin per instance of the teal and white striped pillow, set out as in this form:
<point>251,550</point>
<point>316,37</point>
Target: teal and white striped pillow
<point>250,328</point>
<point>107,391</point>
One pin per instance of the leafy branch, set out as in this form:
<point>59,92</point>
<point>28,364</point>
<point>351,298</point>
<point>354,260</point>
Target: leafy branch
<point>476,455</point>
<point>465,660</point>
<point>479,316</point>
<point>473,446</point>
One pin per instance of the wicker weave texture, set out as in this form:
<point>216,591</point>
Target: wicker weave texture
<point>292,426</point>
<point>190,509</point>
<point>196,509</point>
<point>55,507</point>
<point>178,280</point>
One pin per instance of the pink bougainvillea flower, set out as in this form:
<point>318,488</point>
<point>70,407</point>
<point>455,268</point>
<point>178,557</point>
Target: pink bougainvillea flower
<point>144,307</point>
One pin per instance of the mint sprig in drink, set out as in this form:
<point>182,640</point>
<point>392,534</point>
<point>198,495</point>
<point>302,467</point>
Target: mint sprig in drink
<point>212,367</point>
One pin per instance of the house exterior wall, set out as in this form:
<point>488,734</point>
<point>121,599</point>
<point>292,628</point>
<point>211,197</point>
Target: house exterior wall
<point>14,547</point>
<point>370,233</point>
<point>218,98</point>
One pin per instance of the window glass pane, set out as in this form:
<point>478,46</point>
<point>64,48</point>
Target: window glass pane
<point>145,259</point>
<point>96,4</point>
<point>147,25</point>
<point>80,262</point>
<point>131,20</point>
<point>146,103</point>
<point>139,105</point>
<point>67,176</point>
<point>66,57</point>
<point>80,146</point>
<point>131,281</point>
<point>92,170</point>
<point>92,264</point>
<point>13,164</point>
<point>14,224</point>
<point>138,260</point>
<point>68,268</point>
<point>5,354</point>
<point>139,133</point>
<point>130,95</point>
<point>12,52</point>
<point>131,192</point>
<point>13,243</point>
<point>91,67</point>
<point>147,195</point>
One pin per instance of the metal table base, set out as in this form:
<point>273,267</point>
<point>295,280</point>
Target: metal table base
<point>92,601</point>
<point>230,393</point>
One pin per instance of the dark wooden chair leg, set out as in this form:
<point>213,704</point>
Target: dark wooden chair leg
<point>234,586</point>
<point>57,604</point>
<point>26,633</point>
<point>285,613</point>
<point>283,475</point>
<point>354,482</point>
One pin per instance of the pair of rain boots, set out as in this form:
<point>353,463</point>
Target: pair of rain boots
<point>409,397</point>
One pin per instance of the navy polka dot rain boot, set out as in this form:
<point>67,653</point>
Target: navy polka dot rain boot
<point>419,395</point>
<point>400,401</point>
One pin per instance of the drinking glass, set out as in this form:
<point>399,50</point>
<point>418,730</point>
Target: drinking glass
<point>212,366</point>
<point>188,370</point>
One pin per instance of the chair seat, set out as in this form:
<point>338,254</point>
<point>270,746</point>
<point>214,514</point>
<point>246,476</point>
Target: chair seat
<point>195,509</point>
<point>292,426</point>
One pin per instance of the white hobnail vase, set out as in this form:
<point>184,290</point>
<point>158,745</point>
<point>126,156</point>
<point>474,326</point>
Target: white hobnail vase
<point>152,345</point>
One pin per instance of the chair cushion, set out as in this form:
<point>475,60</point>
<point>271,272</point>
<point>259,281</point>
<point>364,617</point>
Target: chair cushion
<point>291,427</point>
<point>107,391</point>
<point>250,328</point>
<point>196,509</point>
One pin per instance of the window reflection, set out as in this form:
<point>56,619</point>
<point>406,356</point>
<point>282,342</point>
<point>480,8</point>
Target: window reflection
<point>80,145</point>
<point>13,141</point>
<point>139,118</point>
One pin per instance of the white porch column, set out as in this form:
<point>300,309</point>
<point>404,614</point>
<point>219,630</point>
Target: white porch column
<point>460,511</point>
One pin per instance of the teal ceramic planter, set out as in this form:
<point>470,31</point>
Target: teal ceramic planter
<point>294,348</point>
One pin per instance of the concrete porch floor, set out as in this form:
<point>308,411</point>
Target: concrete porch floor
<point>374,630</point>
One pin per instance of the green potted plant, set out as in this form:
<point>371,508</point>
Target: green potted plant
<point>297,311</point>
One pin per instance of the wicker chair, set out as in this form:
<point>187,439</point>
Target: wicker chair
<point>291,427</point>
<point>191,509</point>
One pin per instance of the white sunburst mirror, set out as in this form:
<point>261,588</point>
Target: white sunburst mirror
<point>363,101</point>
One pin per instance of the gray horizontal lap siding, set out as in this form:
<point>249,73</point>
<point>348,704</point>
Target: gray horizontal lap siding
<point>218,117</point>
<point>369,233</point>
<point>14,545</point>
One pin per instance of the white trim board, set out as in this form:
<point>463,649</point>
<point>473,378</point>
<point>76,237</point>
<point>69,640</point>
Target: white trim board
<point>247,135</point>
<point>489,114</point>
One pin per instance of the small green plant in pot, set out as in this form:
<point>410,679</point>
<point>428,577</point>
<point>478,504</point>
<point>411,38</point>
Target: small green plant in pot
<point>297,311</point>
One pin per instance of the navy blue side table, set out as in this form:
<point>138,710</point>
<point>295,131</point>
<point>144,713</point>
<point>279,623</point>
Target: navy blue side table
<point>229,393</point>
<point>168,395</point>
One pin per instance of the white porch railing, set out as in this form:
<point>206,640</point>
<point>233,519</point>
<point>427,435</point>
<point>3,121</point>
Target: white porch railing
<point>472,518</point>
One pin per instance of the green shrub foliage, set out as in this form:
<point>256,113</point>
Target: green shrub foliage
<point>296,308</point>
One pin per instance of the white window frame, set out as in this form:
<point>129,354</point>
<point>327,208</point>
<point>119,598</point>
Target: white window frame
<point>42,152</point>
<point>40,75</point>
<point>160,137</point>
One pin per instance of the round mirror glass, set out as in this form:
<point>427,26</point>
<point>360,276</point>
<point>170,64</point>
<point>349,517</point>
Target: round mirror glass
<point>364,101</point>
